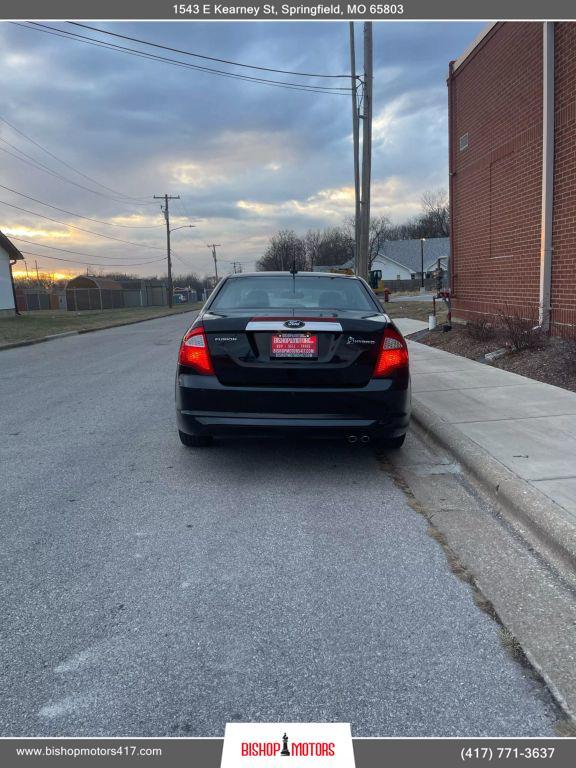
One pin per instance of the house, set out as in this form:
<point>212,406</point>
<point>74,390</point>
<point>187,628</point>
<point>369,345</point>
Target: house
<point>512,123</point>
<point>402,259</point>
<point>9,255</point>
<point>347,265</point>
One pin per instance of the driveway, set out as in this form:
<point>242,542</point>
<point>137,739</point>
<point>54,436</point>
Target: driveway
<point>152,590</point>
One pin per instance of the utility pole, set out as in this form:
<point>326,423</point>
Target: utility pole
<point>166,211</point>
<point>37,275</point>
<point>356,138</point>
<point>213,246</point>
<point>363,261</point>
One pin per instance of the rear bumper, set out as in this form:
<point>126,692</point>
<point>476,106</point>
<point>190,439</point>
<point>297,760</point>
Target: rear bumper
<point>204,406</point>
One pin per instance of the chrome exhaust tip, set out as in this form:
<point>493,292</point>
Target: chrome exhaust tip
<point>365,439</point>
<point>352,439</point>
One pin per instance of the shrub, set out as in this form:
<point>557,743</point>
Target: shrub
<point>520,332</point>
<point>569,356</point>
<point>480,330</point>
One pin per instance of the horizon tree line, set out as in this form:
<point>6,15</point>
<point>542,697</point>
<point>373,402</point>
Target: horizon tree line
<point>334,246</point>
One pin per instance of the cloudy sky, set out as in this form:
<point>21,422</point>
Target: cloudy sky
<point>246,158</point>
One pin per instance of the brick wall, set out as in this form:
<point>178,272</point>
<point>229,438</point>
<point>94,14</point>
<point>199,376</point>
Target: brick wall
<point>496,188</point>
<point>496,98</point>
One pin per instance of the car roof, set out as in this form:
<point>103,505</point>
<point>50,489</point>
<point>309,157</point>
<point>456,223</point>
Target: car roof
<point>240,275</point>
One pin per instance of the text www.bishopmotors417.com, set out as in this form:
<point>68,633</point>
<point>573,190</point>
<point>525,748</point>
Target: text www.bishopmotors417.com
<point>123,750</point>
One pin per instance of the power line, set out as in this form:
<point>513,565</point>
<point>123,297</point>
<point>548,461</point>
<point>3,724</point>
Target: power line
<point>201,56</point>
<point>153,57</point>
<point>250,78</point>
<point>68,250</point>
<point>183,209</point>
<point>180,259</point>
<point>68,165</point>
<point>71,213</point>
<point>46,169</point>
<point>187,210</point>
<point>88,263</point>
<point>81,229</point>
<point>40,166</point>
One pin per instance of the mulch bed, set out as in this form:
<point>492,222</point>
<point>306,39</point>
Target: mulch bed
<point>553,363</point>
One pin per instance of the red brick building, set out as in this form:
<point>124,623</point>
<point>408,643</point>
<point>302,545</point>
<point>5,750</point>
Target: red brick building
<point>512,116</point>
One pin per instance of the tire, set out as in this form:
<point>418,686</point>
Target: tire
<point>194,441</point>
<point>390,443</point>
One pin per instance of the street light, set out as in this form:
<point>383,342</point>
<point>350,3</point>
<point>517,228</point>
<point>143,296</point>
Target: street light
<point>184,226</point>
<point>422,241</point>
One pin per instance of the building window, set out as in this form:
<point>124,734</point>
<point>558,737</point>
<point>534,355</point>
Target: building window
<point>463,143</point>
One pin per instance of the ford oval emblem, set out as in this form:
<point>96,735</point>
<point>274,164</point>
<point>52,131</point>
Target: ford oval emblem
<point>294,324</point>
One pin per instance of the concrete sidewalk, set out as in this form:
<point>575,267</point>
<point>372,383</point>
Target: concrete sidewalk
<point>427,296</point>
<point>528,426</point>
<point>407,325</point>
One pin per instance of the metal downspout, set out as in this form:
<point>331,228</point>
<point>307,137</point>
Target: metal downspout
<point>547,176</point>
<point>451,173</point>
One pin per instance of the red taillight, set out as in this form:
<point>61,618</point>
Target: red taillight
<point>393,355</point>
<point>194,352</point>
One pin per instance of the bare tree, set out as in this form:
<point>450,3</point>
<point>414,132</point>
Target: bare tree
<point>312,241</point>
<point>285,250</point>
<point>434,221</point>
<point>380,230</point>
<point>334,246</point>
<point>436,213</point>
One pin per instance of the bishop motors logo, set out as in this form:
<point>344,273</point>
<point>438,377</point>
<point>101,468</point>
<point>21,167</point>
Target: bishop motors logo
<point>287,745</point>
<point>296,749</point>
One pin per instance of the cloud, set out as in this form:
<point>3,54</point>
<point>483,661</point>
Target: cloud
<point>245,158</point>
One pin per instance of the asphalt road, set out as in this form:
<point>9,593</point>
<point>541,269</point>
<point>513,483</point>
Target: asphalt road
<point>148,589</point>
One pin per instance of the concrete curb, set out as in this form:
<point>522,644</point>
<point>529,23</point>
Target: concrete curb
<point>52,336</point>
<point>27,343</point>
<point>546,525</point>
<point>60,335</point>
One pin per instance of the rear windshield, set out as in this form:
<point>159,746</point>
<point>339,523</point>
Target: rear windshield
<point>287,292</point>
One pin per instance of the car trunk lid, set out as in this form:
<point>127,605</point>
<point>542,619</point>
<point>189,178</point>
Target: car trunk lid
<point>322,349</point>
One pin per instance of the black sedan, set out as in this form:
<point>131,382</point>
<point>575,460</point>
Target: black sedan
<point>308,353</point>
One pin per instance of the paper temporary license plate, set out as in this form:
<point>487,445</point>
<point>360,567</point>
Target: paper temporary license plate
<point>294,345</point>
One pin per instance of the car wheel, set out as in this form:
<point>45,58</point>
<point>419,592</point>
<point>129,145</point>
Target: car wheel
<point>390,443</point>
<point>194,441</point>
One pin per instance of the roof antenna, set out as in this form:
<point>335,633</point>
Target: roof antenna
<point>294,271</point>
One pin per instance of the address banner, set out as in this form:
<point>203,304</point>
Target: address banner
<point>264,746</point>
<point>276,10</point>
